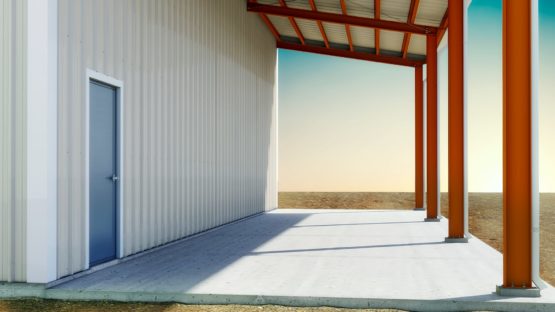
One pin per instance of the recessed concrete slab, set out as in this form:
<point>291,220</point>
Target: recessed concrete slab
<point>345,258</point>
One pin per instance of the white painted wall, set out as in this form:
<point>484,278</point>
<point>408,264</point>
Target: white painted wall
<point>42,100</point>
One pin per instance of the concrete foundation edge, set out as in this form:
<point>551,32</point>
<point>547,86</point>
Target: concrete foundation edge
<point>8,291</point>
<point>432,219</point>
<point>456,240</point>
<point>533,292</point>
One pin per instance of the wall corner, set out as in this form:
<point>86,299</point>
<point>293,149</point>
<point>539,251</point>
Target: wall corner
<point>42,103</point>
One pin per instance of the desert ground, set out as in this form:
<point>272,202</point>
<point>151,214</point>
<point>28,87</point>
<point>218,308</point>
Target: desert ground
<point>65,306</point>
<point>485,211</point>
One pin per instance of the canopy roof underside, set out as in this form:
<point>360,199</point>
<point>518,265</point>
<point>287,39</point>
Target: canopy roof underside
<point>294,28</point>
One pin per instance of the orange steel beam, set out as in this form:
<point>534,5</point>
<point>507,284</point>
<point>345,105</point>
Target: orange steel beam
<point>432,192</point>
<point>320,26</point>
<point>350,54</point>
<point>293,23</point>
<point>419,137</point>
<point>340,19</point>
<point>456,119</point>
<point>517,142</point>
<point>377,13</point>
<point>412,16</point>
<point>347,27</point>
<point>443,27</point>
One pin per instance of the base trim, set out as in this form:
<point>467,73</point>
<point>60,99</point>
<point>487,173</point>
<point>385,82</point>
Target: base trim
<point>492,302</point>
<point>456,239</point>
<point>533,292</point>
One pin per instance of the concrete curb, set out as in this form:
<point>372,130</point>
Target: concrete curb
<point>18,291</point>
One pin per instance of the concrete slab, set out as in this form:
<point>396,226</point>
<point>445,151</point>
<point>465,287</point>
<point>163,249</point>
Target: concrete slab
<point>344,258</point>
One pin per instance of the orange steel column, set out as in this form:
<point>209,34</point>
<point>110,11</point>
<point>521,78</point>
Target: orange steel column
<point>456,119</point>
<point>419,138</point>
<point>432,193</point>
<point>518,158</point>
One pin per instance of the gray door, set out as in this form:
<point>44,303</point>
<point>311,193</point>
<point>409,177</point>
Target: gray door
<point>103,173</point>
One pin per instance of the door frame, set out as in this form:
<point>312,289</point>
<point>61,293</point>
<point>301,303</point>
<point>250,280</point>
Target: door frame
<point>92,75</point>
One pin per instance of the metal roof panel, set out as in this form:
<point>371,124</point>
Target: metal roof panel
<point>362,37</point>
<point>330,6</point>
<point>283,25</point>
<point>430,12</point>
<point>361,8</point>
<point>395,10</point>
<point>391,40</point>
<point>417,44</point>
<point>309,29</point>
<point>296,4</point>
<point>336,33</point>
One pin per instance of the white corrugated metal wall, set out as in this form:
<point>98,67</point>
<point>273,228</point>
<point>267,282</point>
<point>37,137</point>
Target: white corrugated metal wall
<point>13,163</point>
<point>199,116</point>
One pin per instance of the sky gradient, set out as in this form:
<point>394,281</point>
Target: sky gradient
<point>348,125</point>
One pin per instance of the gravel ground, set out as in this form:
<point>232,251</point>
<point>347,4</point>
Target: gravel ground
<point>32,305</point>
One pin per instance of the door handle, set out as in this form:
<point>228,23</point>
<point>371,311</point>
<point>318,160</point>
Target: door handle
<point>114,178</point>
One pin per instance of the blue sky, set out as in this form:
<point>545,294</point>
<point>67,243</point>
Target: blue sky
<point>348,125</point>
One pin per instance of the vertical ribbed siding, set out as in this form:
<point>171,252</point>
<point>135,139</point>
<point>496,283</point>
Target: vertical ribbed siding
<point>199,116</point>
<point>13,139</point>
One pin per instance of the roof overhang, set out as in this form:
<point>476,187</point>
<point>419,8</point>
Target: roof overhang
<point>387,31</point>
<point>372,57</point>
<point>341,19</point>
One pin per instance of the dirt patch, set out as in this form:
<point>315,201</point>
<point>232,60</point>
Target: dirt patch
<point>346,200</point>
<point>32,305</point>
<point>485,215</point>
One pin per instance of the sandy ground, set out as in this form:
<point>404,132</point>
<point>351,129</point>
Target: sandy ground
<point>485,211</point>
<point>346,200</point>
<point>64,306</point>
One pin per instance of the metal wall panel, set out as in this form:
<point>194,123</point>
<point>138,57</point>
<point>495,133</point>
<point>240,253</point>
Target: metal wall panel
<point>199,116</point>
<point>13,142</point>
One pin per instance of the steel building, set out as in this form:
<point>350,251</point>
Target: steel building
<point>126,125</point>
<point>188,95</point>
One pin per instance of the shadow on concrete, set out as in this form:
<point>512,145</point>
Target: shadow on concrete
<point>354,224</point>
<point>344,248</point>
<point>183,265</point>
<point>350,210</point>
<point>180,267</point>
<point>493,296</point>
